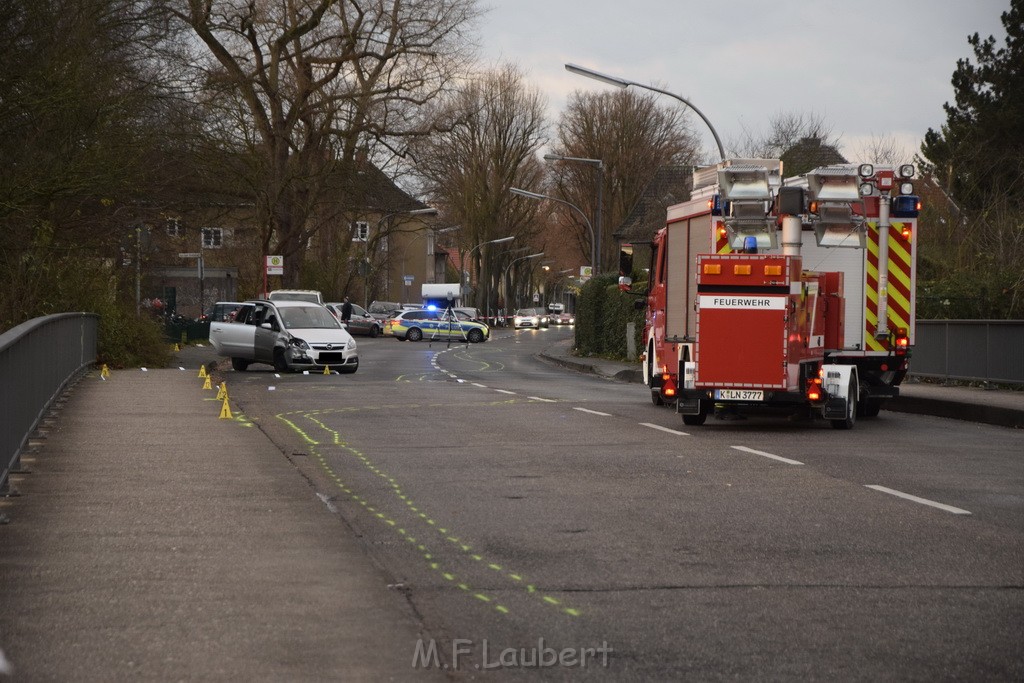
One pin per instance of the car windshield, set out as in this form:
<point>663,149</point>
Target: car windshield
<point>308,317</point>
<point>525,311</point>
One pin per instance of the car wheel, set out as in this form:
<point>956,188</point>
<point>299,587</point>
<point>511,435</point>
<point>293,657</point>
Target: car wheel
<point>239,364</point>
<point>280,364</point>
<point>475,336</point>
<point>374,331</point>
<point>414,334</point>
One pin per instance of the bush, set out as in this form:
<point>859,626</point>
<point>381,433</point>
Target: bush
<point>127,340</point>
<point>602,314</point>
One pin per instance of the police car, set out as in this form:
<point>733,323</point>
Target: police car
<point>435,324</point>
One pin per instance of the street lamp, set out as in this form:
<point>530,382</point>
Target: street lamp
<point>625,83</point>
<point>509,266</point>
<point>429,211</point>
<point>599,165</point>
<point>593,238</point>
<point>483,267</point>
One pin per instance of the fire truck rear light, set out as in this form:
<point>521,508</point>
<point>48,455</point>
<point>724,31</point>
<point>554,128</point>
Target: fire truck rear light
<point>905,232</point>
<point>866,170</point>
<point>712,268</point>
<point>741,269</point>
<point>813,394</point>
<point>902,342</point>
<point>668,385</point>
<point>722,231</point>
<point>773,270</point>
<point>906,188</point>
<point>906,171</point>
<point>812,207</point>
<point>866,189</point>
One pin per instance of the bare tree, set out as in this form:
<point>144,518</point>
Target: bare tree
<point>77,129</point>
<point>882,149</point>
<point>785,131</point>
<point>301,88</point>
<point>633,136</point>
<point>496,128</point>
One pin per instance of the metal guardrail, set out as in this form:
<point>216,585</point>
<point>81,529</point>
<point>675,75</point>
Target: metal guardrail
<point>38,359</point>
<point>973,350</point>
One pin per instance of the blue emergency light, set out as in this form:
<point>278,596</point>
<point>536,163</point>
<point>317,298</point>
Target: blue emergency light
<point>906,206</point>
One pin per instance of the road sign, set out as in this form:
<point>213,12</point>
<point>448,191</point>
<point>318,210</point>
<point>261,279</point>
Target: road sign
<point>275,265</point>
<point>191,254</point>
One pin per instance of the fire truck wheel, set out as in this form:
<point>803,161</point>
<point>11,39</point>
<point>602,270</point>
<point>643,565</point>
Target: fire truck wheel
<point>851,411</point>
<point>870,407</point>
<point>695,420</point>
<point>656,398</point>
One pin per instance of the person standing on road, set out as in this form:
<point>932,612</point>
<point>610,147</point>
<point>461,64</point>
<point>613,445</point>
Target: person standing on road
<point>346,311</point>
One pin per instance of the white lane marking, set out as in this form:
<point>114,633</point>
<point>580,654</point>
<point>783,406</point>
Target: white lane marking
<point>922,501</point>
<point>538,398</point>
<point>664,429</point>
<point>592,412</point>
<point>767,455</point>
<point>327,501</point>
<point>482,386</point>
<point>505,391</point>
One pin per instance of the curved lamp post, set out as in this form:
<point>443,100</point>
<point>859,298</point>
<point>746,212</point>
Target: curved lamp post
<point>593,239</point>
<point>429,211</point>
<point>509,266</point>
<point>405,250</point>
<point>599,165</point>
<point>483,264</point>
<point>625,83</point>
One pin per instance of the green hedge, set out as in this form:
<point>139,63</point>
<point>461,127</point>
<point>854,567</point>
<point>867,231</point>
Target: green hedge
<point>602,312</point>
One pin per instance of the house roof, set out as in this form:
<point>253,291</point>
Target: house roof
<point>670,185</point>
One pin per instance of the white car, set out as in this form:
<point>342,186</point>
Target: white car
<point>533,318</point>
<point>290,335</point>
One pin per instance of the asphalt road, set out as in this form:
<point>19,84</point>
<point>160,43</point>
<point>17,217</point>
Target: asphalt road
<point>531,513</point>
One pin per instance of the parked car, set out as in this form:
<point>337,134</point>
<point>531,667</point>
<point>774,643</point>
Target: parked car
<point>222,311</point>
<point>310,295</point>
<point>534,318</point>
<point>383,310</point>
<point>290,335</point>
<point>361,322</point>
<point>415,325</point>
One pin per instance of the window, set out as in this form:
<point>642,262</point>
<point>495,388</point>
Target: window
<point>174,228</point>
<point>360,231</point>
<point>213,238</point>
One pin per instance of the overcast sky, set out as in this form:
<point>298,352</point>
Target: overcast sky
<point>868,68</point>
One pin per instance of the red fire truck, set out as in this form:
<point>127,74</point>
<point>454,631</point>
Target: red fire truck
<point>772,294</point>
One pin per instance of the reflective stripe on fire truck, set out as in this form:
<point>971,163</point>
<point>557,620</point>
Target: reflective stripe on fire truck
<point>899,284</point>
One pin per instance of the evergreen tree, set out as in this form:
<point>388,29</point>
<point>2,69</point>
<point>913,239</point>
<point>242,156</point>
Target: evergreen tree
<point>979,153</point>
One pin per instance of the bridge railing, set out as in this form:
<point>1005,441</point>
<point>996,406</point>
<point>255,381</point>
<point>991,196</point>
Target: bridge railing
<point>973,350</point>
<point>38,359</point>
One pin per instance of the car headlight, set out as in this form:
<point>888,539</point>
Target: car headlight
<point>351,345</point>
<point>300,343</point>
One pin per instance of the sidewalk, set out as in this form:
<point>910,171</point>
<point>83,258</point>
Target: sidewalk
<point>153,540</point>
<point>998,407</point>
